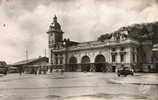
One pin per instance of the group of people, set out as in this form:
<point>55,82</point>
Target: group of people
<point>33,69</point>
<point>36,70</point>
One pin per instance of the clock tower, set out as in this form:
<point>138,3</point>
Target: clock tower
<point>55,34</point>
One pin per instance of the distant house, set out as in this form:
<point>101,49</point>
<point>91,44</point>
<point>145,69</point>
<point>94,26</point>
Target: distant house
<point>32,64</point>
<point>3,63</point>
<point>34,61</point>
<point>3,67</point>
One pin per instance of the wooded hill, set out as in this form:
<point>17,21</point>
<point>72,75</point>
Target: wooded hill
<point>140,32</point>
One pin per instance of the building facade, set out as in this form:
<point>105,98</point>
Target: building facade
<point>31,66</point>
<point>98,56</point>
<point>155,57</point>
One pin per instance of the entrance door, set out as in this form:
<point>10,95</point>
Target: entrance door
<point>113,68</point>
<point>100,64</point>
<point>85,64</point>
<point>72,64</point>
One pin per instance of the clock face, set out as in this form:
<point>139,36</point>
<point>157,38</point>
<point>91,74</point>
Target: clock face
<point>51,38</point>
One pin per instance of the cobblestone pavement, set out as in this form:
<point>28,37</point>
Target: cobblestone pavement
<point>79,86</point>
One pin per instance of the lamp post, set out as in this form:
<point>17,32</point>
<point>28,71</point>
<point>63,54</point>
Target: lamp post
<point>66,44</point>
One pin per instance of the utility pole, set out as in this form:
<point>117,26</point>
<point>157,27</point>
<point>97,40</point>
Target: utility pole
<point>26,55</point>
<point>45,52</point>
<point>66,44</point>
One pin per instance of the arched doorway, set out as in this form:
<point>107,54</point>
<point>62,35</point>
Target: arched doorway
<point>72,64</point>
<point>100,63</point>
<point>85,63</point>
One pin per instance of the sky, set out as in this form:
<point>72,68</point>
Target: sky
<point>24,23</point>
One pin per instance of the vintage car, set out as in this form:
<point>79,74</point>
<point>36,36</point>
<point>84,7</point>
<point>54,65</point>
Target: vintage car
<point>125,71</point>
<point>58,70</point>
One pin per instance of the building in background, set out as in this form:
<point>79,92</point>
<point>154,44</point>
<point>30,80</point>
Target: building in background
<point>102,55</point>
<point>155,57</point>
<point>3,64</point>
<point>31,65</point>
<point>3,67</point>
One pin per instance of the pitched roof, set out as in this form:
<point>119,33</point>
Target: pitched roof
<point>23,62</point>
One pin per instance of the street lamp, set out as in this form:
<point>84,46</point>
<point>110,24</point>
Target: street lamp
<point>66,44</point>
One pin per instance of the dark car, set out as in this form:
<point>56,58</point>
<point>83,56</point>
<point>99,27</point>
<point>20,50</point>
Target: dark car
<point>3,70</point>
<point>125,71</point>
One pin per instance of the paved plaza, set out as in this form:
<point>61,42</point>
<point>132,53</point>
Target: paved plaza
<point>79,86</point>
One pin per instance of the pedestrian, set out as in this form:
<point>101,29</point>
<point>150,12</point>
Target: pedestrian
<point>33,70</point>
<point>51,69</point>
<point>45,69</point>
<point>20,70</point>
<point>36,69</point>
<point>39,72</point>
<point>6,70</point>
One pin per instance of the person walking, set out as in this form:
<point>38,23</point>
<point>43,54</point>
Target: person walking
<point>6,70</point>
<point>20,70</point>
<point>36,70</point>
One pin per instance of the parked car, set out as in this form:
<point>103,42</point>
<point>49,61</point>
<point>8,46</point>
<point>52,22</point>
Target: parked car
<point>125,71</point>
<point>58,70</point>
<point>3,70</point>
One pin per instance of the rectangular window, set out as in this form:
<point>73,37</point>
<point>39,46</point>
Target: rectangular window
<point>113,68</point>
<point>122,57</point>
<point>51,58</point>
<point>133,57</point>
<point>61,59</point>
<point>113,58</point>
<point>122,49</point>
<point>56,59</point>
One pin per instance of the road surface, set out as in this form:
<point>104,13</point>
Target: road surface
<point>79,86</point>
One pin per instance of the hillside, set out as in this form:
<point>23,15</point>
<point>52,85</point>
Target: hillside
<point>140,32</point>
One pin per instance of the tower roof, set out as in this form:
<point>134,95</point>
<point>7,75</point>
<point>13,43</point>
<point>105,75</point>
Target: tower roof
<point>55,17</point>
<point>55,23</point>
<point>55,26</point>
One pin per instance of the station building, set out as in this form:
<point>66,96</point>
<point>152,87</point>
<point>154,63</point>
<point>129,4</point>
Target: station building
<point>155,57</point>
<point>98,56</point>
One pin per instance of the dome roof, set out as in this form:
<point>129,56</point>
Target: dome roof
<point>55,25</point>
